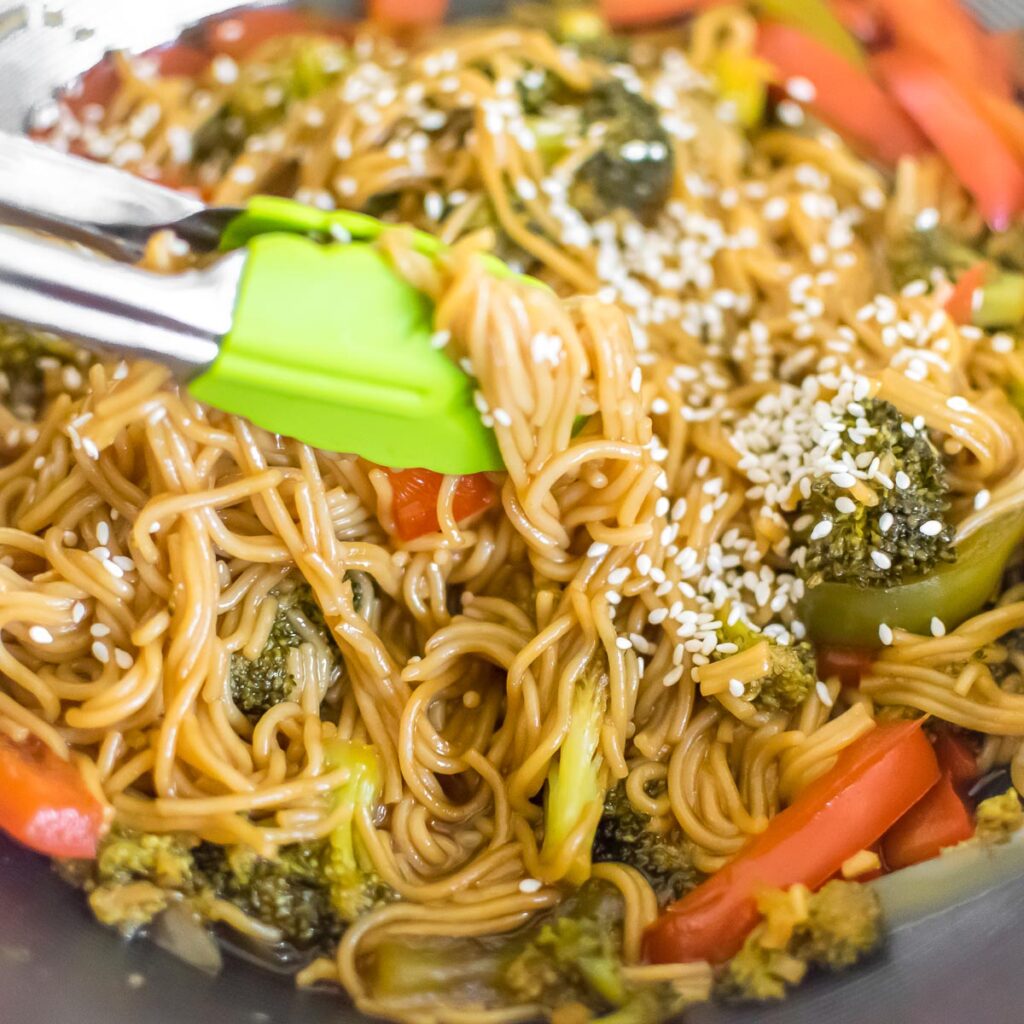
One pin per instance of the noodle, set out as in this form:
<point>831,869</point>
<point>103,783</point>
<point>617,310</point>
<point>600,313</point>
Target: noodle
<point>154,539</point>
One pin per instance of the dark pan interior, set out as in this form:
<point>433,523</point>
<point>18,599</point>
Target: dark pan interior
<point>954,956</point>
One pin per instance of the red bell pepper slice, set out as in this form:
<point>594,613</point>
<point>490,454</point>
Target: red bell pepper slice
<point>976,151</point>
<point>408,12</point>
<point>45,804</point>
<point>874,782</point>
<point>242,32</point>
<point>957,756</point>
<point>940,819</point>
<point>960,304</point>
<point>847,664</point>
<point>942,29</point>
<point>414,499</point>
<point>845,96</point>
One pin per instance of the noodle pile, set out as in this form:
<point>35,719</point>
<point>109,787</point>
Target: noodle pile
<point>147,538</point>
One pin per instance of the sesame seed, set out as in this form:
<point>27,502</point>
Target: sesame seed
<point>623,643</point>
<point>113,568</point>
<point>77,612</point>
<point>103,531</point>
<point>932,528</point>
<point>821,530</point>
<point>40,635</point>
<point>981,499</point>
<point>100,652</point>
<point>927,219</point>
<point>503,417</point>
<point>885,634</point>
<point>844,479</point>
<point>597,550</point>
<point>801,89</point>
<point>617,576</point>
<point>902,480</point>
<point>885,521</point>
<point>99,629</point>
<point>530,885</point>
<point>938,627</point>
<point>823,695</point>
<point>440,339</point>
<point>881,559</point>
<point>846,505</point>
<point>123,659</point>
<point>958,403</point>
<point>643,564</point>
<point>736,688</point>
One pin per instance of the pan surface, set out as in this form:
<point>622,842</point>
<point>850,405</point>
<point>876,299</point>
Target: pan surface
<point>954,955</point>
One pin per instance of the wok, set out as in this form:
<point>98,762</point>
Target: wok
<point>954,955</point>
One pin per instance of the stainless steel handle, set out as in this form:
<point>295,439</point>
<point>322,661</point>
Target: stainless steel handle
<point>101,206</point>
<point>72,197</point>
<point>174,319</point>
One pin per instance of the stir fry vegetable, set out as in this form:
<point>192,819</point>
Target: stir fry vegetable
<point>874,782</point>
<point>845,95</point>
<point>45,804</point>
<point>848,615</point>
<point>959,131</point>
<point>414,499</point>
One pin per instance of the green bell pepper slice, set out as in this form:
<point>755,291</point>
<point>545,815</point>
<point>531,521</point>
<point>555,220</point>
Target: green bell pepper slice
<point>845,615</point>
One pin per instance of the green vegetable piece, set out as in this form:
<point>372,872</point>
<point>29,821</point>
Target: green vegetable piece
<point>635,165</point>
<point>1002,302</point>
<point>258,685</point>
<point>791,668</point>
<point>843,924</point>
<point>354,885</point>
<point>743,81</point>
<point>845,614</point>
<point>816,19</point>
<point>288,892</point>
<point>665,860</point>
<point>574,784</point>
<point>880,544</point>
<point>999,817</point>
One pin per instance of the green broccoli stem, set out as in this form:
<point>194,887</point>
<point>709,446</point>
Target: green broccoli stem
<point>1002,302</point>
<point>848,615</point>
<point>575,789</point>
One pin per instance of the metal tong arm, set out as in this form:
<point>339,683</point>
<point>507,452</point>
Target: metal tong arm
<point>174,319</point>
<point>105,208</point>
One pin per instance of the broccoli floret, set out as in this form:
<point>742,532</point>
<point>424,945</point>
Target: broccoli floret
<point>914,254</point>
<point>635,165</point>
<point>568,963</point>
<point>25,359</point>
<point>354,886</point>
<point>288,69</point>
<point>844,924</point>
<point>134,873</point>
<point>164,859</point>
<point>758,974</point>
<point>1000,302</point>
<point>879,544</point>
<point>290,892</point>
<point>831,929</point>
<point>575,789</point>
<point>665,860</point>
<point>999,817</point>
<point>257,685</point>
<point>792,672</point>
<point>574,957</point>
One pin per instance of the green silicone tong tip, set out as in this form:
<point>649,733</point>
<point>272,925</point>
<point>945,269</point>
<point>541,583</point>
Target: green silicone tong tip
<point>330,345</point>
